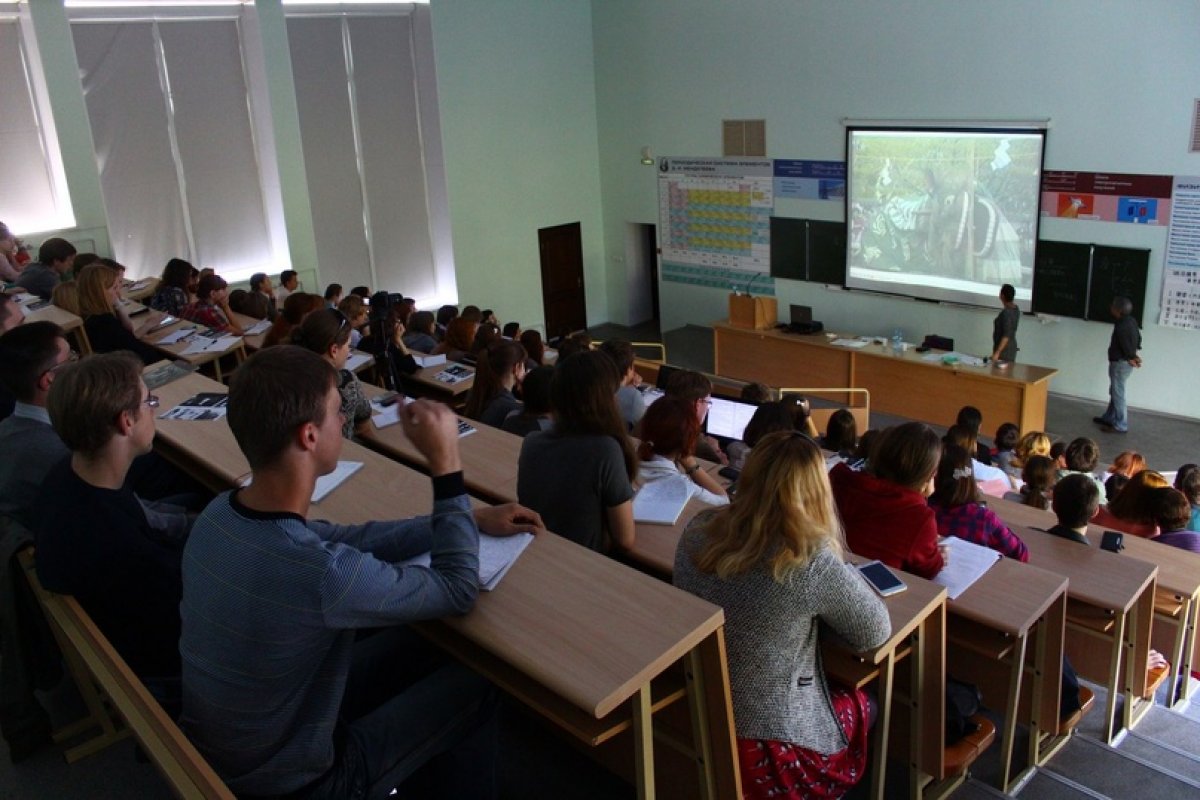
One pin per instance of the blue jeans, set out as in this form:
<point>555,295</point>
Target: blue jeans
<point>1117,413</point>
<point>415,719</point>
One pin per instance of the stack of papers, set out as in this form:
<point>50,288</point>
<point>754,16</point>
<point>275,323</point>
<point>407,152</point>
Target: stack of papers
<point>204,406</point>
<point>177,335</point>
<point>455,373</point>
<point>327,483</point>
<point>262,326</point>
<point>967,563</point>
<point>202,344</point>
<point>661,502</point>
<point>496,555</point>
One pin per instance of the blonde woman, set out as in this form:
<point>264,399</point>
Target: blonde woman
<point>107,325</point>
<point>1034,443</point>
<point>773,560</point>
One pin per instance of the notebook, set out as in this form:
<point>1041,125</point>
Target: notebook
<point>661,502</point>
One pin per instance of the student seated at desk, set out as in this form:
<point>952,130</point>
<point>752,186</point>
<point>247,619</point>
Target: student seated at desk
<point>883,508</point>
<point>629,399</point>
<point>30,356</point>
<point>971,418</point>
<point>535,348</point>
<point>770,417</point>
<point>95,540</point>
<point>55,258</point>
<point>669,432</point>
<point>1076,501</point>
<point>535,413</point>
<point>1187,480</point>
<point>1173,514</point>
<point>171,296</point>
<point>211,306</point>
<point>841,434</point>
<point>327,333</point>
<point>108,327</point>
<point>456,344</point>
<point>356,311</point>
<point>801,410</point>
<point>696,389</point>
<point>1004,449</point>
<point>579,474</point>
<point>773,561</point>
<point>991,480</point>
<point>1034,443</point>
<point>1113,485</point>
<point>285,692</point>
<point>1081,455</point>
<point>296,307</point>
<point>419,336</point>
<point>1037,483</point>
<point>1133,510</point>
<point>500,371</point>
<point>955,503</point>
<point>486,335</point>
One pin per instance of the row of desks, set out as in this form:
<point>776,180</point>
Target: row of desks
<point>597,661</point>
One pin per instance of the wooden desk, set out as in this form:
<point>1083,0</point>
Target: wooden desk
<point>139,290</point>
<point>489,455</point>
<point>989,634</point>
<point>1177,596</point>
<point>1109,614</point>
<point>253,341</point>
<point>902,384</point>
<point>426,380</point>
<point>594,661</point>
<point>176,350</point>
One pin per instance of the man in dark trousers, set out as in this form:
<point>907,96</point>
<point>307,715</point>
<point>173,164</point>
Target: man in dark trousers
<point>1122,358</point>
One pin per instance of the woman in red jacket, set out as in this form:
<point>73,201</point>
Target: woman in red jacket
<point>883,508</point>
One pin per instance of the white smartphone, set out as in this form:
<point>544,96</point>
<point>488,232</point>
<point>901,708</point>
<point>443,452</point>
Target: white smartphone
<point>882,579</point>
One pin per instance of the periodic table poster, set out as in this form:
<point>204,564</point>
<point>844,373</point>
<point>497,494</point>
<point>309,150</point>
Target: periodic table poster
<point>1180,306</point>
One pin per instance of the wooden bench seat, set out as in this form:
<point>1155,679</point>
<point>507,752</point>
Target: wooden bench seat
<point>176,759</point>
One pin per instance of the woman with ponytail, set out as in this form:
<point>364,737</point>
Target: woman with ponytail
<point>500,370</point>
<point>669,433</point>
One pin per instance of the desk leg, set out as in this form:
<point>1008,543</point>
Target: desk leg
<point>879,765</point>
<point>1012,709</point>
<point>712,717</point>
<point>1047,687</point>
<point>643,743</point>
<point>1114,677</point>
<point>1181,663</point>
<point>1138,633</point>
<point>917,743</point>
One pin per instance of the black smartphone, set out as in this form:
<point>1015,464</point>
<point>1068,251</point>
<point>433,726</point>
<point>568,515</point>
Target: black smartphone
<point>729,473</point>
<point>1112,541</point>
<point>882,579</point>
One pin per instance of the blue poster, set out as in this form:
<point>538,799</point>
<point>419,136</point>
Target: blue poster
<point>810,180</point>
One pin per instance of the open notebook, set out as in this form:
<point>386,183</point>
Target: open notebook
<point>661,502</point>
<point>496,555</point>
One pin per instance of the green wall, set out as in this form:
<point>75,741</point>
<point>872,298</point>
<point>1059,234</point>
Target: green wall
<point>1116,80</point>
<point>518,109</point>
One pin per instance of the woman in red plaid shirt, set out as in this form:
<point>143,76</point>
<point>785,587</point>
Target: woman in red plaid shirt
<point>955,503</point>
<point>210,308</point>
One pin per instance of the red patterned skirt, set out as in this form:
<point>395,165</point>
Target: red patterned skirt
<point>773,770</point>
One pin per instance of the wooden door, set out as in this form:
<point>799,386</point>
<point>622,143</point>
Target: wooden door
<point>561,252</point>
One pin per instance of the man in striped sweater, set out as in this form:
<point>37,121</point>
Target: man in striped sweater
<point>281,691</point>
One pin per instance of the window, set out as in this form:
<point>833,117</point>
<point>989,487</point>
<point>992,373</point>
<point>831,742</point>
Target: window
<point>175,143</point>
<point>33,189</point>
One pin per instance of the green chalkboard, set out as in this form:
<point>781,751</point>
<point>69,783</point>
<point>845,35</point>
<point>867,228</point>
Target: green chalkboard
<point>1060,279</point>
<point>789,248</point>
<point>1117,271</point>
<point>827,252</point>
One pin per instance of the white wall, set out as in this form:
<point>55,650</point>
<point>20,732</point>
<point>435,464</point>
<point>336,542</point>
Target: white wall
<point>1117,81</point>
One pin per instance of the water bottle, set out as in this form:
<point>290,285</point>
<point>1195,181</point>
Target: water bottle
<point>897,341</point>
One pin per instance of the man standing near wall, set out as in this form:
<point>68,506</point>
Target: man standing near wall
<point>1122,358</point>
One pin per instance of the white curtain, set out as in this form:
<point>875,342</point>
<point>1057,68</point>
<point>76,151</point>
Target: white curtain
<point>362,138</point>
<point>168,108</point>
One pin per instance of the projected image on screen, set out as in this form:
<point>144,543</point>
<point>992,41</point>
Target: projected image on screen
<point>943,214</point>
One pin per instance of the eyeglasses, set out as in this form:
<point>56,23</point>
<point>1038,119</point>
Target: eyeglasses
<point>72,357</point>
<point>151,400</point>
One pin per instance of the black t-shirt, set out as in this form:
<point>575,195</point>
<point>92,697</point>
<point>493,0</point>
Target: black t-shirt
<point>106,334</point>
<point>96,544</point>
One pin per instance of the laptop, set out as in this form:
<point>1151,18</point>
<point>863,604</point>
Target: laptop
<point>801,314</point>
<point>664,374</point>
<point>727,417</point>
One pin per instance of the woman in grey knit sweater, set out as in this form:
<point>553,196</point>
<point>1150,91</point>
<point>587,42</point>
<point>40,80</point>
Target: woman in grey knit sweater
<point>773,561</point>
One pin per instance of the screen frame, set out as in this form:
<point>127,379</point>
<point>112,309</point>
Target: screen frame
<point>733,401</point>
<point>950,297</point>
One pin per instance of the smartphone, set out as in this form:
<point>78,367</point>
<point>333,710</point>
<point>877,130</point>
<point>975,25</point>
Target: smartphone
<point>882,579</point>
<point>1112,541</point>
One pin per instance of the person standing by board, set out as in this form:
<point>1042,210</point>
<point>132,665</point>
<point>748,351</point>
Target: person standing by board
<point>1122,358</point>
<point>1004,327</point>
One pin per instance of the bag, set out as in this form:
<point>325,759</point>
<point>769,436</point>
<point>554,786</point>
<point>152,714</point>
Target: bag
<point>963,701</point>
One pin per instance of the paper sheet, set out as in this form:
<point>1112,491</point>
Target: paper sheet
<point>262,326</point>
<point>177,335</point>
<point>327,483</point>
<point>430,361</point>
<point>968,563</point>
<point>201,344</point>
<point>854,343</point>
<point>661,502</point>
<point>356,360</point>
<point>496,555</point>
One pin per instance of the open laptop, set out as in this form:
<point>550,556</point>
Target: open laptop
<point>727,417</point>
<point>800,314</point>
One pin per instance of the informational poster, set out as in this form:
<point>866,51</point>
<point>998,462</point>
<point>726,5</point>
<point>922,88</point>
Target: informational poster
<point>1180,305</point>
<point>1107,197</point>
<point>810,180</point>
<point>716,212</point>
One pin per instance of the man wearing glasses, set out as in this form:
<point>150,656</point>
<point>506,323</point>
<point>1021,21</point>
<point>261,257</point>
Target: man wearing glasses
<point>95,540</point>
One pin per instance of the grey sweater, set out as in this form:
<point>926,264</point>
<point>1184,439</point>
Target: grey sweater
<point>775,674</point>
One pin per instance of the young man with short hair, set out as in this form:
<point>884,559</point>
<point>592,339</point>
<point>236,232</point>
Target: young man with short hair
<point>289,281</point>
<point>30,355</point>
<point>55,257</point>
<point>260,302</point>
<point>280,692</point>
<point>1076,501</point>
<point>629,400</point>
<point>94,539</point>
<point>1123,359</point>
